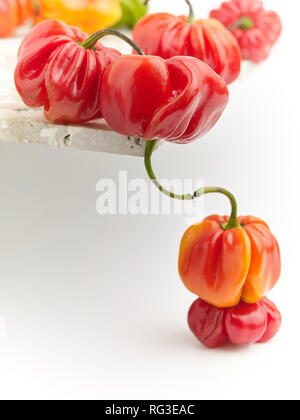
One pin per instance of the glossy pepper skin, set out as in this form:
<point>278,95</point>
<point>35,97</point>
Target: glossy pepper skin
<point>167,36</point>
<point>223,267</point>
<point>13,13</point>
<point>242,324</point>
<point>132,12</point>
<point>177,100</point>
<point>88,15</point>
<point>55,72</point>
<point>255,29</point>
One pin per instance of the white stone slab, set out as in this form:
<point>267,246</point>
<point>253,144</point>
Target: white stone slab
<point>21,124</point>
<point>29,126</point>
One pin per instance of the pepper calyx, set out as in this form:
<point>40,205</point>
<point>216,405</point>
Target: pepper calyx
<point>245,23</point>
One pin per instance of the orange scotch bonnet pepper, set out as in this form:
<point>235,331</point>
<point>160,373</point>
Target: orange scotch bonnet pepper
<point>224,261</point>
<point>12,14</point>
<point>88,15</point>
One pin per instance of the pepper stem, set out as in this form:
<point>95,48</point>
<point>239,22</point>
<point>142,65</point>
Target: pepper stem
<point>191,14</point>
<point>233,221</point>
<point>191,18</point>
<point>244,23</point>
<point>90,42</point>
<point>148,165</point>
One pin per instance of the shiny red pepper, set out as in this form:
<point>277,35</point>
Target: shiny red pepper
<point>60,70</point>
<point>166,36</point>
<point>255,29</point>
<point>178,100</point>
<point>242,324</point>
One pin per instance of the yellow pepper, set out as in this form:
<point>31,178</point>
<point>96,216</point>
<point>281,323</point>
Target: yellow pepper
<point>89,15</point>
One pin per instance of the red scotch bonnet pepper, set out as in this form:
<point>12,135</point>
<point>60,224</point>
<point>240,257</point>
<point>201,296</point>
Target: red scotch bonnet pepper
<point>57,70</point>
<point>255,29</point>
<point>166,35</point>
<point>177,100</point>
<point>242,324</point>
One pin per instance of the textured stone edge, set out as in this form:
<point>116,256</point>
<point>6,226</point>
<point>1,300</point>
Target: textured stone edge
<point>29,126</point>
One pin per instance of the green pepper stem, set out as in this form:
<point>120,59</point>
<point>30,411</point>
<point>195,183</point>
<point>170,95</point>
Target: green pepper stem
<point>191,14</point>
<point>233,221</point>
<point>150,146</point>
<point>244,23</point>
<point>90,42</point>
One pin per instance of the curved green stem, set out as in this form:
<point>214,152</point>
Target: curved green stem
<point>90,42</point>
<point>233,221</point>
<point>191,14</point>
<point>244,23</point>
<point>148,154</point>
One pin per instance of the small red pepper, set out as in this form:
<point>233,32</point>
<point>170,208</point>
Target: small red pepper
<point>177,100</point>
<point>255,29</point>
<point>166,36</point>
<point>61,69</point>
<point>242,324</point>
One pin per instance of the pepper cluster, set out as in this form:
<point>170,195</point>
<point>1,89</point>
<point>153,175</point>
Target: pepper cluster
<point>231,265</point>
<point>176,93</point>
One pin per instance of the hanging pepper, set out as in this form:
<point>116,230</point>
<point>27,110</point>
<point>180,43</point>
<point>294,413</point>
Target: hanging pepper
<point>88,15</point>
<point>226,260</point>
<point>166,35</point>
<point>242,324</point>
<point>60,69</point>
<point>255,29</point>
<point>132,12</point>
<point>13,13</point>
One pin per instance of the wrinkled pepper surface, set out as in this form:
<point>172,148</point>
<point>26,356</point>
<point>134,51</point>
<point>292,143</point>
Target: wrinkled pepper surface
<point>166,36</point>
<point>177,100</point>
<point>255,29</point>
<point>223,267</point>
<point>55,70</point>
<point>88,15</point>
<point>242,324</point>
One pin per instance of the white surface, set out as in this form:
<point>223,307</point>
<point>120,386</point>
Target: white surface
<point>94,306</point>
<point>30,126</point>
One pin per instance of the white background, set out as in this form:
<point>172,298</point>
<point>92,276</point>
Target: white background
<point>94,306</point>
